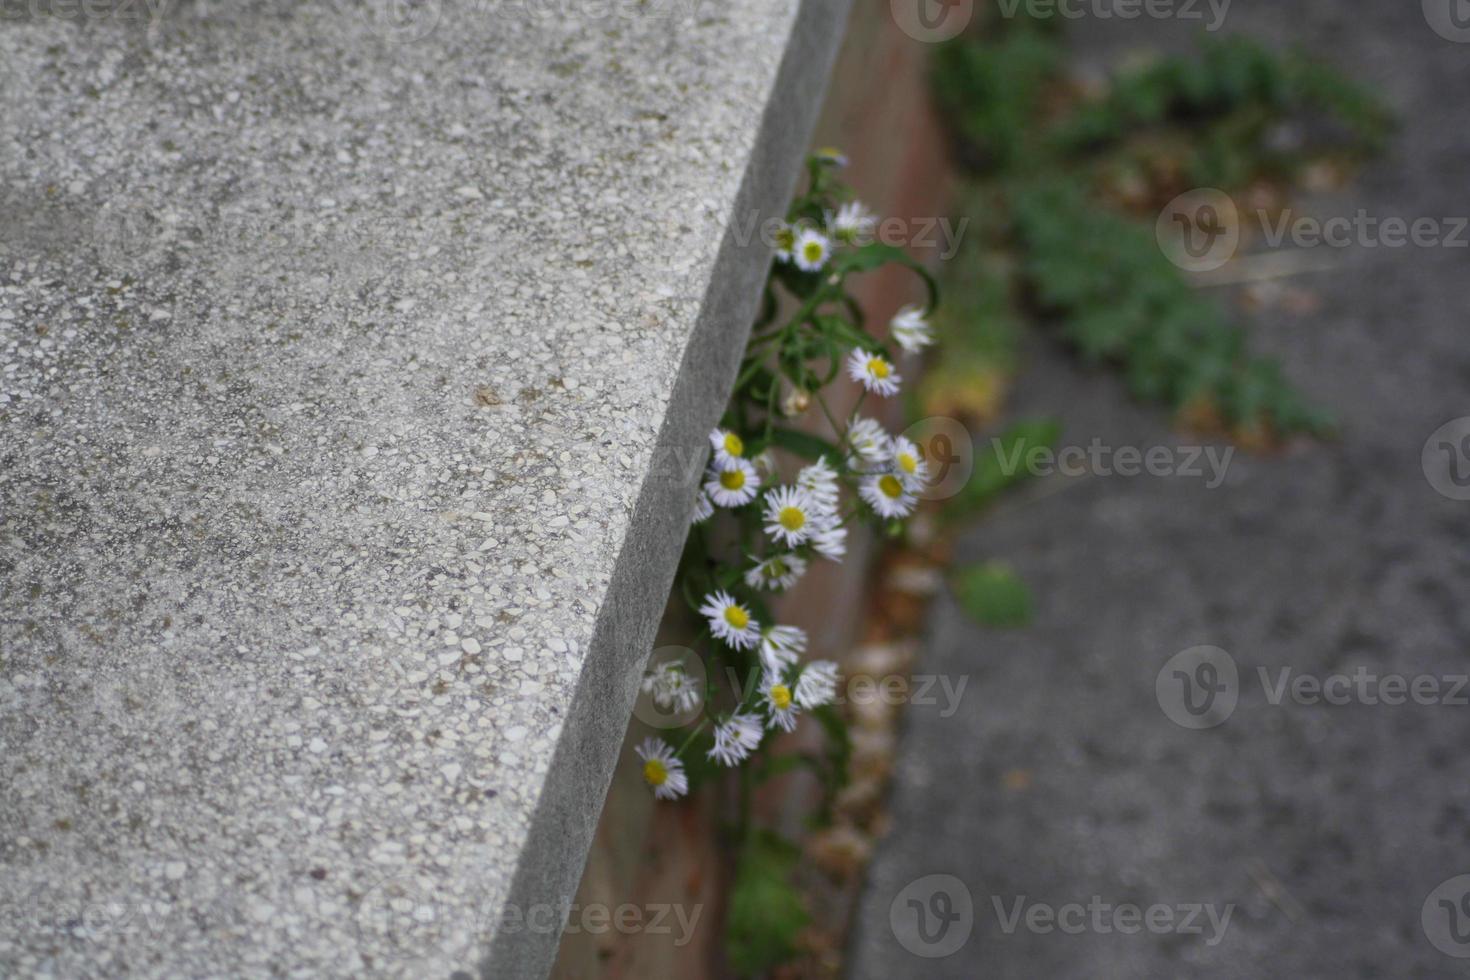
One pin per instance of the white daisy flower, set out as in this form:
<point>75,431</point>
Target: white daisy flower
<point>789,514</point>
<point>777,573</point>
<point>671,688</point>
<point>874,371</point>
<point>785,243</point>
<point>831,541</point>
<point>832,155</point>
<point>780,701</point>
<point>730,621</point>
<point>887,495</point>
<point>870,444</point>
<point>781,646</point>
<point>765,464</point>
<point>852,222</point>
<point>662,770</point>
<point>817,684</point>
<point>733,486</point>
<point>909,328</point>
<point>736,738</point>
<point>811,250</point>
<point>909,463</point>
<point>704,508</point>
<point>819,480</point>
<point>727,446</point>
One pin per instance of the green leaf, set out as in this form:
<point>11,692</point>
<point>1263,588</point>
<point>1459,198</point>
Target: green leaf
<point>993,595</point>
<point>803,444</point>
<point>836,326</point>
<point>876,254</point>
<point>839,753</point>
<point>869,257</point>
<point>766,913</point>
<point>1002,461</point>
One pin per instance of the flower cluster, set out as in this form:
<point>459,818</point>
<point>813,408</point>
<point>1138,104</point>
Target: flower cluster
<point>774,528</point>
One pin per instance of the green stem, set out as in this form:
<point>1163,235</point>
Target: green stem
<point>697,729</point>
<point>744,828</point>
<point>831,419</point>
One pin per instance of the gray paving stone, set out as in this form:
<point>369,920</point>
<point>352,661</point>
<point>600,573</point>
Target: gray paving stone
<point>1060,778</point>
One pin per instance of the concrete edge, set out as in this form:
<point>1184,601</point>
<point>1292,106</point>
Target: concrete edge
<point>581,770</point>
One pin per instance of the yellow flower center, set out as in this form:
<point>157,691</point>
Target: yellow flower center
<point>737,617</point>
<point>655,772</point>
<point>792,519</point>
<point>781,696</point>
<point>732,479</point>
<point>907,463</point>
<point>776,568</point>
<point>878,367</point>
<point>734,445</point>
<point>785,238</point>
<point>812,251</point>
<point>890,486</point>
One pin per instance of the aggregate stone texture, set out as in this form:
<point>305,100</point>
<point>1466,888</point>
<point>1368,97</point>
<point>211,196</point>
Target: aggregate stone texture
<point>355,361</point>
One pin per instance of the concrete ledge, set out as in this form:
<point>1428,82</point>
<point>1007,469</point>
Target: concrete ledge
<point>340,363</point>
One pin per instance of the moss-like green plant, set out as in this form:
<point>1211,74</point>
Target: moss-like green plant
<point>1046,156</point>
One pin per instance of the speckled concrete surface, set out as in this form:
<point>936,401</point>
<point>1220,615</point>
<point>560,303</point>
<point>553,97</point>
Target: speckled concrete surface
<point>1060,778</point>
<point>342,361</point>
